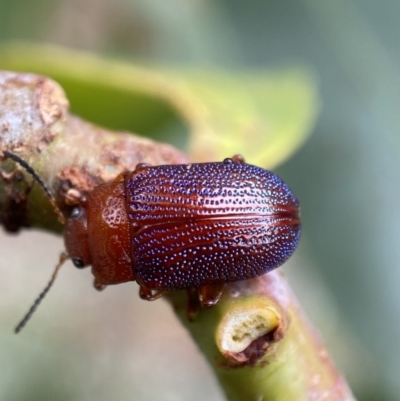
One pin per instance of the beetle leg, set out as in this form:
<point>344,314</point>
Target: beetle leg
<point>98,285</point>
<point>74,198</point>
<point>150,295</point>
<point>238,159</point>
<point>142,166</point>
<point>121,177</point>
<point>193,304</point>
<point>209,294</point>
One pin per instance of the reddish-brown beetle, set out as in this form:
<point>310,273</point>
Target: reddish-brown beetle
<point>185,226</point>
<point>193,226</point>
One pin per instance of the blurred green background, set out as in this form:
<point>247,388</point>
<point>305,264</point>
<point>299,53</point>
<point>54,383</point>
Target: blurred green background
<point>83,345</point>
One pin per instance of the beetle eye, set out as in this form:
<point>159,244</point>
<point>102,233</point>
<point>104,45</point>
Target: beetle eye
<point>76,211</point>
<point>78,263</point>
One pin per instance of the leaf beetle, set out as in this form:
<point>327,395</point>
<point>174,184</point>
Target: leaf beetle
<point>187,226</point>
<point>192,226</point>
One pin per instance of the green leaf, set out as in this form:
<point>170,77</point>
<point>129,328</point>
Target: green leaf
<point>263,115</point>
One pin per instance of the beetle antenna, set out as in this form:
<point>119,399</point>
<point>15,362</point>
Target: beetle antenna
<point>38,300</point>
<point>33,173</point>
